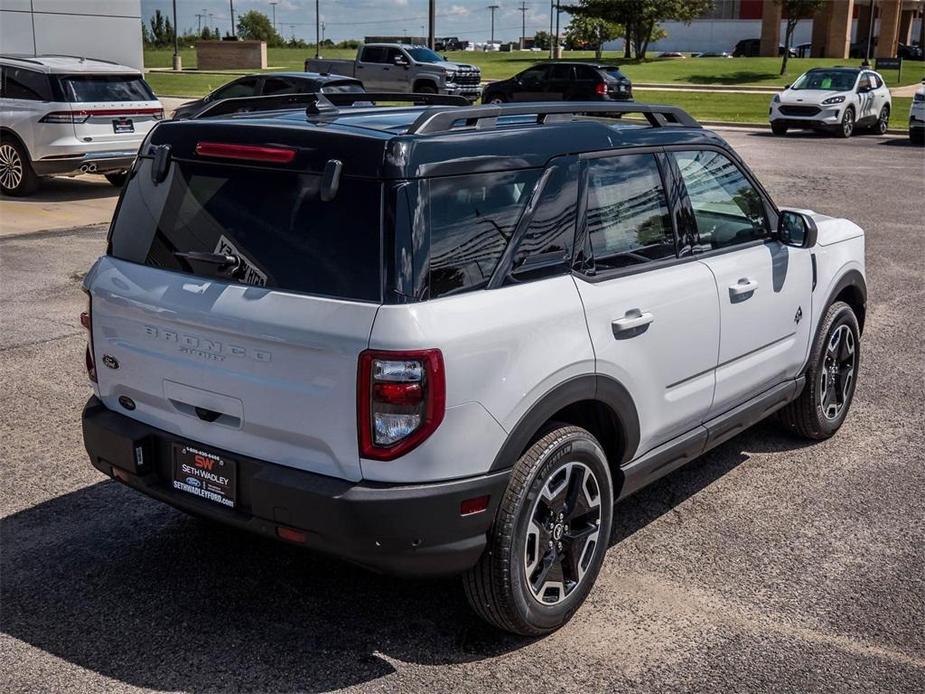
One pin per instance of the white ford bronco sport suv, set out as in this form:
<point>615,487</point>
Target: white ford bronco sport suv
<point>437,340</point>
<point>61,115</point>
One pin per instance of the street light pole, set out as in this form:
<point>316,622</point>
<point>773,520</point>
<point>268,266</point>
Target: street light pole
<point>177,61</point>
<point>870,32</point>
<point>317,29</point>
<point>552,10</point>
<point>493,8</point>
<point>432,24</point>
<point>556,48</point>
<point>231,4</point>
<point>523,25</point>
<point>273,4</point>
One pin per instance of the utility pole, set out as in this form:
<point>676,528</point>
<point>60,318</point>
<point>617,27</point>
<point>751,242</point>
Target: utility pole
<point>199,23</point>
<point>523,25</point>
<point>273,4</point>
<point>493,8</point>
<point>317,29</point>
<point>231,3</point>
<point>552,11</point>
<point>870,32</point>
<point>177,61</point>
<point>432,24</point>
<point>556,52</point>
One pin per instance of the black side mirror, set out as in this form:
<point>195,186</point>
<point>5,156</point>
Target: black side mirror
<point>796,229</point>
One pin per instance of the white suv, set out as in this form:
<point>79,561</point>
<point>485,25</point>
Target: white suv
<point>66,116</point>
<point>837,99</point>
<point>917,117</point>
<point>448,340</point>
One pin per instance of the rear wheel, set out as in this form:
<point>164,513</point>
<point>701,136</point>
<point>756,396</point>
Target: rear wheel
<point>16,175</point>
<point>830,378</point>
<point>883,121</point>
<point>846,127</point>
<point>778,128</point>
<point>550,536</point>
<point>494,99</point>
<point>117,179</point>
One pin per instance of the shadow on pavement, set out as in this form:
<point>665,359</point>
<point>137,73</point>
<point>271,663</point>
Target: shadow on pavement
<point>64,189</point>
<point>129,588</point>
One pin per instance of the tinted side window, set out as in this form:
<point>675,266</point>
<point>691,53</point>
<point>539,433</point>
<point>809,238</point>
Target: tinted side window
<point>394,53</point>
<point>627,220</point>
<point>238,88</point>
<point>534,74</point>
<point>727,208</point>
<point>546,245</point>
<point>373,54</point>
<point>278,85</point>
<point>25,84</point>
<point>587,73</point>
<point>472,219</point>
<point>561,72</point>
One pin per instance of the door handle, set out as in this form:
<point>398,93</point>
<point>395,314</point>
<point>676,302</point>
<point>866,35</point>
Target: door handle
<point>634,323</point>
<point>742,287</point>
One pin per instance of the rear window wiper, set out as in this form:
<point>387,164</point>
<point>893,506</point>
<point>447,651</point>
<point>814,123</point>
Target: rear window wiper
<point>225,263</point>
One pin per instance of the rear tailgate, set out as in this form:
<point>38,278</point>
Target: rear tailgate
<point>261,360</point>
<point>111,109</point>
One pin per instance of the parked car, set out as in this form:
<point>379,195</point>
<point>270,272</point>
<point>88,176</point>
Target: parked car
<point>711,54</point>
<point>447,340</point>
<point>269,84</point>
<point>66,116</point>
<point>838,100</point>
<point>393,67</point>
<point>751,48</point>
<point>562,81</point>
<point>907,52</point>
<point>917,117</point>
<point>671,54</point>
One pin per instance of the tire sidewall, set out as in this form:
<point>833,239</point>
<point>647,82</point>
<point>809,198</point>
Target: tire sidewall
<point>844,118</point>
<point>24,183</point>
<point>575,447</point>
<point>838,314</point>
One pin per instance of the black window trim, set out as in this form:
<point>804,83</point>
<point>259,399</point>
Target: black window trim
<point>669,178</point>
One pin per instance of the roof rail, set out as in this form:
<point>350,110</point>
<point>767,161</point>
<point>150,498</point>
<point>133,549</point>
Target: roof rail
<point>25,59</point>
<point>316,104</point>
<point>78,57</point>
<point>441,119</point>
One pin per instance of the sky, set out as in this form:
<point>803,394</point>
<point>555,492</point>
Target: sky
<point>353,19</point>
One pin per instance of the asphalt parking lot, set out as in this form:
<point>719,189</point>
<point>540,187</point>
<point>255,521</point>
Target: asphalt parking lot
<point>768,565</point>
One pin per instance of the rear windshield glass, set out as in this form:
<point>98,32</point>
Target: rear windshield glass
<point>87,88</point>
<point>614,73</point>
<point>472,218</point>
<point>274,222</point>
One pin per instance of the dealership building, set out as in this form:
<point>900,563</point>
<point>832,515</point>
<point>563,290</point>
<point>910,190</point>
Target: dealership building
<point>831,32</point>
<point>103,29</point>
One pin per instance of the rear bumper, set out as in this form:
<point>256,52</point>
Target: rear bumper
<point>91,162</point>
<point>412,530</point>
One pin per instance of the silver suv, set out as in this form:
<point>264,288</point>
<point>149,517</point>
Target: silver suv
<point>61,115</point>
<point>448,340</point>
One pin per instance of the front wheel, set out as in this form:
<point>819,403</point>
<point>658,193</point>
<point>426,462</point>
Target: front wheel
<point>846,128</point>
<point>425,89</point>
<point>494,99</point>
<point>549,538</point>
<point>830,378</point>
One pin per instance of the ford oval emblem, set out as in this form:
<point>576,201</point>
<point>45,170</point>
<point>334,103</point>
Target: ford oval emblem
<point>193,482</point>
<point>110,361</point>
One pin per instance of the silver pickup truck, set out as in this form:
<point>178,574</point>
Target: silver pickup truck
<point>393,67</point>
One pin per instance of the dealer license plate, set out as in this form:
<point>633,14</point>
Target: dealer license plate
<point>204,474</point>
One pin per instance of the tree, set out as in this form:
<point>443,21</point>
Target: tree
<point>640,17</point>
<point>590,32</point>
<point>795,10</point>
<point>256,26</point>
<point>542,40</point>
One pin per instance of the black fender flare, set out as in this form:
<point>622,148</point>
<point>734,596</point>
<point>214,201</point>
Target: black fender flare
<point>852,278</point>
<point>593,387</point>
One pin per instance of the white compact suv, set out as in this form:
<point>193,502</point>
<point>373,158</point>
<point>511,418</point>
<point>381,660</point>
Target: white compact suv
<point>66,116</point>
<point>838,100</point>
<point>917,116</point>
<point>448,340</point>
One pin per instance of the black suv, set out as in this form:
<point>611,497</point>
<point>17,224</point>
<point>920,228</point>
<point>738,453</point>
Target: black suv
<point>562,81</point>
<point>271,84</point>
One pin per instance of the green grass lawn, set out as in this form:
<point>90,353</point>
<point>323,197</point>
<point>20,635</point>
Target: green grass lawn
<point>694,71</point>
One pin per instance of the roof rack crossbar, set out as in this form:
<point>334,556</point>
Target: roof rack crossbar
<point>320,104</point>
<point>441,119</point>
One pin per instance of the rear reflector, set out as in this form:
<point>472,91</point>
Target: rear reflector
<point>291,534</point>
<point>221,150</point>
<point>475,505</point>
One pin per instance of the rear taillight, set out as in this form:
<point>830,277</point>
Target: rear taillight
<point>401,398</point>
<point>86,321</point>
<point>65,117</point>
<point>159,114</point>
<point>600,89</point>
